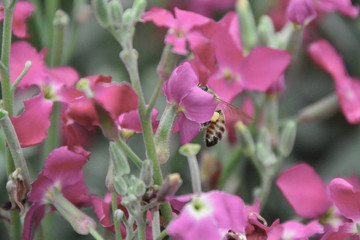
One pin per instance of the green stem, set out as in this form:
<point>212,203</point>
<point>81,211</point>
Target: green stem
<point>20,77</point>
<point>162,235</point>
<point>15,225</point>
<point>154,98</point>
<point>15,148</point>
<point>95,234</point>
<point>129,152</point>
<point>194,173</point>
<point>53,136</point>
<point>116,222</point>
<point>229,167</point>
<point>60,21</point>
<point>38,18</point>
<point>155,223</point>
<point>5,59</point>
<point>141,228</point>
<point>50,8</point>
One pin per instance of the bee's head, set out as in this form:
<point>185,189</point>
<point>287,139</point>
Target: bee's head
<point>203,87</point>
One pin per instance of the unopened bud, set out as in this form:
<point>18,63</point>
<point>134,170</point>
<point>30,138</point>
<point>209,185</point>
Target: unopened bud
<point>266,31</point>
<point>163,133</point>
<point>119,215</point>
<point>121,165</point>
<point>61,18</point>
<point>16,190</point>
<point>287,139</point>
<point>189,149</point>
<point>146,173</point>
<point>246,138</point>
<point>247,25</point>
<point>109,179</point>
<point>169,187</point>
<point>120,185</point>
<point>138,9</point>
<point>102,12</point>
<point>137,186</point>
<point>126,134</point>
<point>116,11</point>
<point>319,110</point>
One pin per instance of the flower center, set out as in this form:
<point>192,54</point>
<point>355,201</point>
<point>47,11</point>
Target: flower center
<point>49,92</point>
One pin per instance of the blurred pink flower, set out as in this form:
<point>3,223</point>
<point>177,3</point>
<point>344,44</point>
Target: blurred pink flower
<point>205,7</point>
<point>209,216</point>
<point>181,27</point>
<point>295,230</point>
<point>195,105</point>
<point>299,11</point>
<point>23,10</point>
<point>31,126</point>
<point>345,7</point>
<point>63,169</point>
<point>347,88</point>
<point>304,190</point>
<point>131,120</point>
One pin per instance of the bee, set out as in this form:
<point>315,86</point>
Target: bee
<point>215,128</point>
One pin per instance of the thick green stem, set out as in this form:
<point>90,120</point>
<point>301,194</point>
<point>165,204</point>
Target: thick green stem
<point>5,59</point>
<point>60,22</point>
<point>39,20</point>
<point>129,152</point>
<point>155,217</point>
<point>116,222</point>
<point>195,174</point>
<point>50,8</point>
<point>162,235</point>
<point>53,137</point>
<point>229,167</point>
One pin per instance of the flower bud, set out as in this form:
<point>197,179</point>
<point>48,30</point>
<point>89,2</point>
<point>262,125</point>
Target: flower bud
<point>119,215</point>
<point>102,12</point>
<point>266,30</point>
<point>169,187</point>
<point>146,173</point>
<point>115,11</point>
<point>247,25</point>
<point>163,133</point>
<point>137,186</point>
<point>301,11</point>
<point>189,149</point>
<point>287,139</point>
<point>120,185</point>
<point>319,110</point>
<point>61,18</point>
<point>138,9</point>
<point>121,165</point>
<point>16,189</point>
<point>246,138</point>
<point>109,179</point>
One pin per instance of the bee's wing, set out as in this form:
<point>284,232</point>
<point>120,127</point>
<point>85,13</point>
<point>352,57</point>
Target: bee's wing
<point>232,113</point>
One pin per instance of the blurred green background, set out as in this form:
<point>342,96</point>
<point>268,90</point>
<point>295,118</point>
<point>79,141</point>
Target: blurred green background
<point>331,146</point>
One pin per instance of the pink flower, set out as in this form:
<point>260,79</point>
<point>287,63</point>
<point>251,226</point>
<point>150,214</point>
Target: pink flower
<point>295,230</point>
<point>205,7</point>
<point>63,172</point>
<point>108,102</point>
<point>257,71</point>
<point>195,105</point>
<point>131,120</point>
<point>299,11</point>
<point>31,126</point>
<point>347,88</point>
<point>209,216</point>
<point>181,27</point>
<point>23,10</point>
<point>345,7</point>
<point>304,190</point>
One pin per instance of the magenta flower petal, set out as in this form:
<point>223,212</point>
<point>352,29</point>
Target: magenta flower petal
<point>348,90</point>
<point>187,20</point>
<point>22,11</point>
<point>116,99</point>
<point>161,17</point>
<point>299,11</point>
<point>227,41</point>
<point>64,167</point>
<point>345,198</point>
<point>199,105</point>
<point>181,81</point>
<point>263,67</point>
<point>31,126</point>
<point>33,218</point>
<point>83,112</point>
<point>344,6</point>
<point>298,230</point>
<point>178,43</point>
<point>323,54</point>
<point>63,75</point>
<point>226,90</point>
<point>304,190</point>
<point>20,53</point>
<point>131,120</point>
<point>188,129</point>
